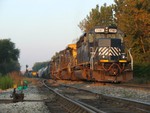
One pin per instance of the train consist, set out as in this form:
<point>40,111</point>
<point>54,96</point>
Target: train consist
<point>98,55</point>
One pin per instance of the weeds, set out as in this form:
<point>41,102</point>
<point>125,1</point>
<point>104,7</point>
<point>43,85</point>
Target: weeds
<point>6,82</point>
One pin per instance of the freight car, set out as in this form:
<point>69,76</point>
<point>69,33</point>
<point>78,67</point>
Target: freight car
<point>98,55</point>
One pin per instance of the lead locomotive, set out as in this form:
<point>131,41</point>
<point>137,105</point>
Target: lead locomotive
<point>99,55</point>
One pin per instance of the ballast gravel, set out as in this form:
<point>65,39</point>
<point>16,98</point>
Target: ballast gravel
<point>128,93</point>
<point>32,94</point>
<point>33,102</point>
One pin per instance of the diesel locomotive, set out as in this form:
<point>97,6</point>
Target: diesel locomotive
<point>98,55</point>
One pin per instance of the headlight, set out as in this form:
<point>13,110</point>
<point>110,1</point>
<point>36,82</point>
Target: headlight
<point>103,56</point>
<point>123,56</point>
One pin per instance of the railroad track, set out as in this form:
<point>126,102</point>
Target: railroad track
<point>6,101</point>
<point>132,86</point>
<point>67,105</point>
<point>101,103</point>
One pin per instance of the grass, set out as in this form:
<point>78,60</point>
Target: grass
<point>6,82</point>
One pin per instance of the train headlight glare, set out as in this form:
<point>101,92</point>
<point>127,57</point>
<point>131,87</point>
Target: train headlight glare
<point>123,56</point>
<point>103,56</point>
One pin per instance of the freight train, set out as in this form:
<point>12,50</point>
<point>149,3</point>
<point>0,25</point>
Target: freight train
<point>98,55</point>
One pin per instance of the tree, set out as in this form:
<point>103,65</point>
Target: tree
<point>102,16</point>
<point>133,17</point>
<point>8,56</point>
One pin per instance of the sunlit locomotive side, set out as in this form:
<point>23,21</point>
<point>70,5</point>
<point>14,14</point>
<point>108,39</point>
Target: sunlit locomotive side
<point>62,63</point>
<point>100,56</point>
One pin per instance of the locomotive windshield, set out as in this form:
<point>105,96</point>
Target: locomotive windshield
<point>105,32</point>
<point>105,35</point>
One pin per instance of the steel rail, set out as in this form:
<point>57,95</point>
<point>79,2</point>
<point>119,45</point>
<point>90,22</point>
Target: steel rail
<point>73,106</point>
<point>133,86</point>
<point>143,106</point>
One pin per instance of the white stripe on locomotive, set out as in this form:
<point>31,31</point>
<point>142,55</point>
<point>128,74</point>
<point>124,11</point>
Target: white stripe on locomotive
<point>111,51</point>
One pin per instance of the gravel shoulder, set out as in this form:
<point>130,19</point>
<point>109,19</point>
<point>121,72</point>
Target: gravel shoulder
<point>128,93</point>
<point>33,102</point>
<point>34,98</point>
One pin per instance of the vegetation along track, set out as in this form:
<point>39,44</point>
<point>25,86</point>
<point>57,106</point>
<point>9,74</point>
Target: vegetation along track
<point>101,103</point>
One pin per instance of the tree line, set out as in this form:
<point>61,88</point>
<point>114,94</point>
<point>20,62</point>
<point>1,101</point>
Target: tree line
<point>9,55</point>
<point>130,16</point>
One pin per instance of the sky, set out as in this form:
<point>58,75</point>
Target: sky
<point>40,28</point>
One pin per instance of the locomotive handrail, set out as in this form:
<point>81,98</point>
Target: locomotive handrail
<point>131,58</point>
<point>91,59</point>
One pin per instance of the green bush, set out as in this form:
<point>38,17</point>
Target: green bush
<point>142,72</point>
<point>5,82</point>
